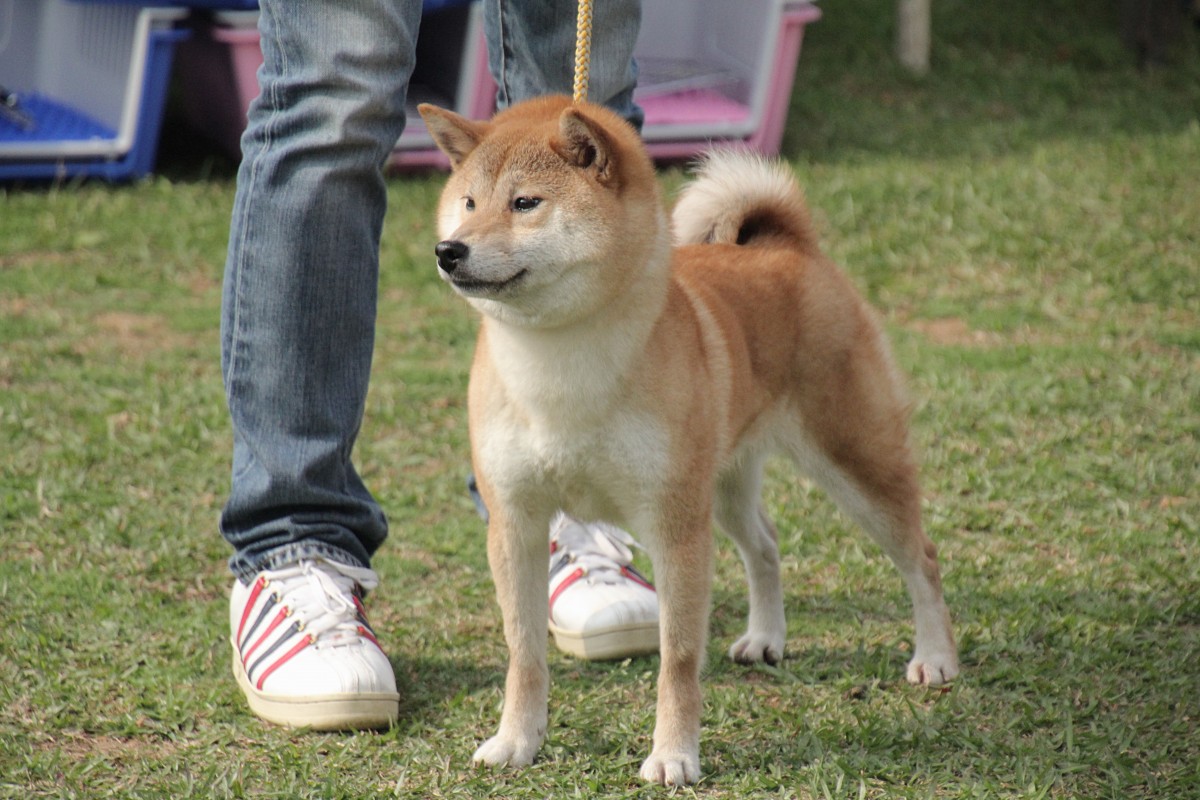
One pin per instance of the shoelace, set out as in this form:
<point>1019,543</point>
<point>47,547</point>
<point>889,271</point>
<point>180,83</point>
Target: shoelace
<point>603,552</point>
<point>325,596</point>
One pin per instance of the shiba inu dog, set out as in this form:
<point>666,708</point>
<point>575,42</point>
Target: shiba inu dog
<point>624,377</point>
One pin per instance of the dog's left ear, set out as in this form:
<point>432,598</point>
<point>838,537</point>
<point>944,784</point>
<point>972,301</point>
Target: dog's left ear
<point>585,144</point>
<point>455,135</point>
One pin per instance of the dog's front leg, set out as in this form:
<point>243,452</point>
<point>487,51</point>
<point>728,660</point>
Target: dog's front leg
<point>683,572</point>
<point>518,550</point>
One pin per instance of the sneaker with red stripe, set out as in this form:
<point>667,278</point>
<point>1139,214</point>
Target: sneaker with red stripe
<point>601,607</point>
<point>304,653</point>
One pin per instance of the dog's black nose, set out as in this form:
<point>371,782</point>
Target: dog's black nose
<point>450,254</point>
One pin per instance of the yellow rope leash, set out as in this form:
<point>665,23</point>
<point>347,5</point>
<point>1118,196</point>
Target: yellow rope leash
<point>583,49</point>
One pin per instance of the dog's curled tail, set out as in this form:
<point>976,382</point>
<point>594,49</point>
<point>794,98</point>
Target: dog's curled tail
<point>741,198</point>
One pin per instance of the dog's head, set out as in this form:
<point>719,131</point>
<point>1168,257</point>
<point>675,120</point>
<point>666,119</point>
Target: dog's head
<point>551,210</point>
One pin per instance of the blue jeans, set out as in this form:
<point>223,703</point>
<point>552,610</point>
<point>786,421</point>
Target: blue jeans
<point>298,306</point>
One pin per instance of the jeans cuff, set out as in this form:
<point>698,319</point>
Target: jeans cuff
<point>245,568</point>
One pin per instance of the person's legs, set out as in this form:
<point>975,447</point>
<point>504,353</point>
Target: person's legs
<point>531,51</point>
<point>297,333</point>
<point>298,311</point>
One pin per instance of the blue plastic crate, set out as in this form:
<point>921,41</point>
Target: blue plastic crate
<point>111,129</point>
<point>234,5</point>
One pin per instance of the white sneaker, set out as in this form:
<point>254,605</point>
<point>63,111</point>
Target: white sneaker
<point>600,606</point>
<point>303,652</point>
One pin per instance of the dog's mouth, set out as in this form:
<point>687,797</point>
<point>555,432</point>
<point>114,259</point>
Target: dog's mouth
<point>473,286</point>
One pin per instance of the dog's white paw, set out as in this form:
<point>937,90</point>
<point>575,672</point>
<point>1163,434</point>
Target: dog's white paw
<point>933,669</point>
<point>500,751</point>
<point>757,648</point>
<point>671,769</point>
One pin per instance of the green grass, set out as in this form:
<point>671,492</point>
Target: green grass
<point>1025,218</point>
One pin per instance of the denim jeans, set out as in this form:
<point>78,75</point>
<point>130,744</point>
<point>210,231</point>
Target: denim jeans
<point>531,51</point>
<point>300,289</point>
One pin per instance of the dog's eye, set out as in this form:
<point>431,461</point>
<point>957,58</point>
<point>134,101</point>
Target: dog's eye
<point>469,202</point>
<point>526,203</point>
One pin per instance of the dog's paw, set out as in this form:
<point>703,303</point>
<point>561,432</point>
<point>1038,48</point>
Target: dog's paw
<point>671,769</point>
<point>757,648</point>
<point>933,669</point>
<point>500,751</point>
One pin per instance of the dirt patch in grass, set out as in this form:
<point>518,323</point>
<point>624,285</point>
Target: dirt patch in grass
<point>134,335</point>
<point>111,749</point>
<point>955,332</point>
<point>37,258</point>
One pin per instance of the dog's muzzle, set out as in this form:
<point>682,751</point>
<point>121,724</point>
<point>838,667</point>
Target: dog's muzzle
<point>451,253</point>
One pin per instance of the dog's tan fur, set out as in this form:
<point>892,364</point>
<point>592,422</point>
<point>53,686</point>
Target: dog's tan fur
<point>619,378</point>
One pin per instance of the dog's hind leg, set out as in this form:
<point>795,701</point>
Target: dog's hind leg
<point>740,514</point>
<point>874,482</point>
<point>682,556</point>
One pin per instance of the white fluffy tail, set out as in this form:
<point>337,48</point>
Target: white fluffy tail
<point>740,198</point>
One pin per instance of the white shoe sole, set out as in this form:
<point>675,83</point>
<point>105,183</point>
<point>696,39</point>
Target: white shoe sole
<point>336,712</point>
<point>608,644</point>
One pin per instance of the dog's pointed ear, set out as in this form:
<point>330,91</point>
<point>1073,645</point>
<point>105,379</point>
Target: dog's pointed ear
<point>584,143</point>
<point>455,135</point>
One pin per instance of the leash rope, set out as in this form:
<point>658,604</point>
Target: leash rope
<point>583,49</point>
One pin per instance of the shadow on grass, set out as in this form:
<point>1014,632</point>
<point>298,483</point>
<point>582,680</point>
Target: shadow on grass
<point>1089,690</point>
<point>428,684</point>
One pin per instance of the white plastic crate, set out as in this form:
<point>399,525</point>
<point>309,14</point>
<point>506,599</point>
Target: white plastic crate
<point>83,73</point>
<point>717,70</point>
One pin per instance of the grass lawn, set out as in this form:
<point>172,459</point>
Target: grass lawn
<point>1026,218</point>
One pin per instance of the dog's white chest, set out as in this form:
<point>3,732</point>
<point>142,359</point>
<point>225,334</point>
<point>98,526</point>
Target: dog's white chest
<point>563,419</point>
<point>592,462</point>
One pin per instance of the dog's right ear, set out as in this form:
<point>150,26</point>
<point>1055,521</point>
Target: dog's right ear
<point>455,135</point>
